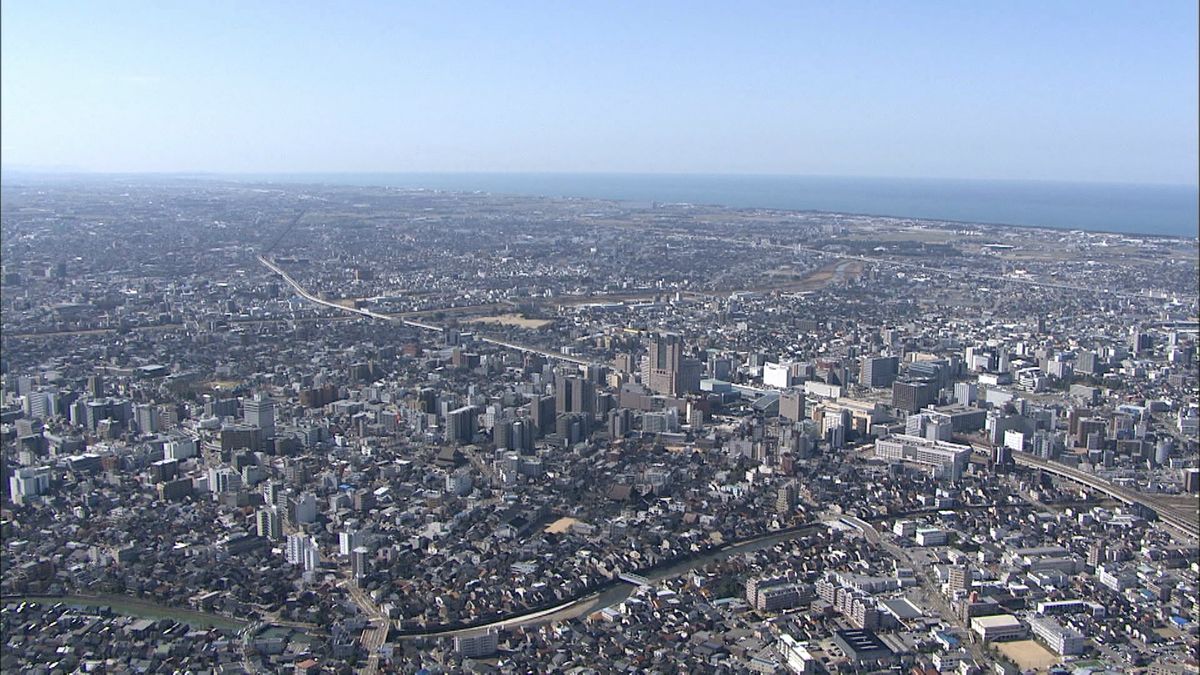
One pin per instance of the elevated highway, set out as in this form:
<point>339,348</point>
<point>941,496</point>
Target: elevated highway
<point>302,292</point>
<point>1183,521</point>
<point>1179,519</point>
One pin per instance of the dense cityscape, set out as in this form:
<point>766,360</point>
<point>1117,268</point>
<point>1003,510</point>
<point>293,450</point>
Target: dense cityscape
<point>254,427</point>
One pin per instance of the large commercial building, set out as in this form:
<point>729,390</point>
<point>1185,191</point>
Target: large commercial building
<point>574,395</point>
<point>270,523</point>
<point>902,447</point>
<point>913,395</point>
<point>260,412</point>
<point>864,648</point>
<point>668,371</point>
<point>879,371</point>
<point>460,424</point>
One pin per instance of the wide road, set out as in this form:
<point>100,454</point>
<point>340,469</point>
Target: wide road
<point>1181,520</point>
<point>1185,521</point>
<point>302,292</point>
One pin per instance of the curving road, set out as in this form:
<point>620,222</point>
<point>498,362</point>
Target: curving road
<point>302,292</point>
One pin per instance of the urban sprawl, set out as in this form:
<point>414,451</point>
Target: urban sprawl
<point>288,428</point>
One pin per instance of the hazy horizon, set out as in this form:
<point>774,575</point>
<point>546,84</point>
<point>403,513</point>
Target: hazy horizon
<point>1075,92</point>
<point>69,171</point>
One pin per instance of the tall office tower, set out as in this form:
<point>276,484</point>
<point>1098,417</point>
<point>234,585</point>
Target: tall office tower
<point>270,525</point>
<point>306,508</point>
<point>271,492</point>
<point>1088,363</point>
<point>523,434</point>
<point>541,411</point>
<point>95,386</point>
<point>350,539</point>
<point>574,395</point>
<point>620,422</point>
<point>502,434</point>
<point>791,404</point>
<point>360,563</point>
<point>146,416</point>
<point>460,424</point>
<point>669,372</point>
<point>912,396</point>
<point>1139,342</point>
<point>36,404</point>
<point>624,363</point>
<point>879,371</point>
<point>260,411</point>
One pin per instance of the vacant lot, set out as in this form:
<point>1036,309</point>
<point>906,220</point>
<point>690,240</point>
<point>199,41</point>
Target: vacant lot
<point>561,525</point>
<point>512,320</point>
<point>1028,654</point>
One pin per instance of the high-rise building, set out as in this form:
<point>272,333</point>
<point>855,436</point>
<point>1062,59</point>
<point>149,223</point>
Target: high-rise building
<point>146,416</point>
<point>360,562</point>
<point>95,386</point>
<point>270,525</point>
<point>350,539</point>
<point>28,482</point>
<point>1139,342</point>
<point>574,395</point>
<point>541,412</point>
<point>306,508</point>
<point>224,479</point>
<point>879,371</point>
<point>460,424</point>
<point>913,395</point>
<point>36,404</point>
<point>260,411</point>
<point>302,551</point>
<point>960,577</point>
<point>667,370</point>
<point>792,404</point>
<point>620,422</point>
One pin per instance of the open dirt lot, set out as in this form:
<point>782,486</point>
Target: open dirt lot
<point>511,320</point>
<point>1028,654</point>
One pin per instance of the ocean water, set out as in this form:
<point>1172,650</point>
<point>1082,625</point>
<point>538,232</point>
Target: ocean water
<point>1172,210</point>
<point>1106,207</point>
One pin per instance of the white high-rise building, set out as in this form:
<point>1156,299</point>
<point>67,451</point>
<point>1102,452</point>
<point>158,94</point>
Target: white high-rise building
<point>349,540</point>
<point>180,449</point>
<point>36,404</point>
<point>146,417</point>
<point>28,482</point>
<point>302,551</point>
<point>260,411</point>
<point>270,525</point>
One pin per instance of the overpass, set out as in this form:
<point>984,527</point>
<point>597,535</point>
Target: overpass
<point>302,292</point>
<point>1182,521</point>
<point>1186,523</point>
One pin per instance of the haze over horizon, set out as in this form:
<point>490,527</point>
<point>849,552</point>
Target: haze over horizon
<point>1073,92</point>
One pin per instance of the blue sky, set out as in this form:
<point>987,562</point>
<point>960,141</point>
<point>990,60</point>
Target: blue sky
<point>1080,91</point>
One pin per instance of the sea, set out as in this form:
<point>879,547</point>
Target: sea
<point>1163,210</point>
<point>1139,209</point>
